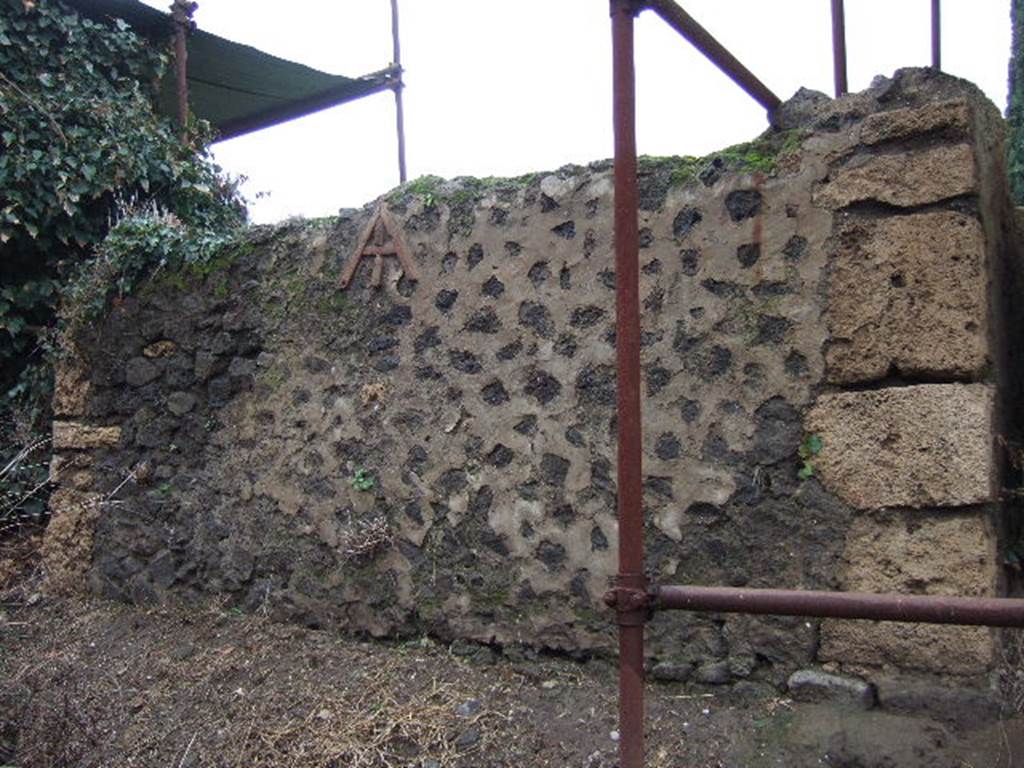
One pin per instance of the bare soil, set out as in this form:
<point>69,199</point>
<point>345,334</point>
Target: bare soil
<point>85,682</point>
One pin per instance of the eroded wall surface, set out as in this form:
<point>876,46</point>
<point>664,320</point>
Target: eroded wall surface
<point>438,455</point>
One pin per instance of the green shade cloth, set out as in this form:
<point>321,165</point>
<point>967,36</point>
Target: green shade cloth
<point>235,87</point>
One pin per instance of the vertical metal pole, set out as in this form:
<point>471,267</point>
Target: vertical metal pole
<point>399,85</point>
<point>627,349</point>
<point>839,47</point>
<point>181,14</point>
<point>936,36</point>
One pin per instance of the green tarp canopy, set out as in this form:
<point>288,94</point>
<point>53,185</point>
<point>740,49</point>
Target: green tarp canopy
<point>236,87</point>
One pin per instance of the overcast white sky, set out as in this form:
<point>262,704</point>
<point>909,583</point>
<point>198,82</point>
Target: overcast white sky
<point>496,87</point>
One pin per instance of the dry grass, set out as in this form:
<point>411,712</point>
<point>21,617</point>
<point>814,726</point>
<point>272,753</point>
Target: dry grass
<point>24,484</point>
<point>91,684</point>
<point>88,683</point>
<point>374,727</point>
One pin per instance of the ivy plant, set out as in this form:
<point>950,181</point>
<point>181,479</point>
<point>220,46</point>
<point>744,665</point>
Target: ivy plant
<point>97,189</point>
<point>78,134</point>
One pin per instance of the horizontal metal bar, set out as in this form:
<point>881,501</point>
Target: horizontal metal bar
<point>978,611</point>
<point>715,52</point>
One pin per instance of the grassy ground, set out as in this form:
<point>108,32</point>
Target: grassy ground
<point>92,683</point>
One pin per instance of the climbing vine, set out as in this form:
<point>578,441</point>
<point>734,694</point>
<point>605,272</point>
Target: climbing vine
<point>96,188</point>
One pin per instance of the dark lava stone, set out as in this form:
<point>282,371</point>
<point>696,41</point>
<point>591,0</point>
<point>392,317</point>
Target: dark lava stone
<point>685,221</point>
<point>445,299</point>
<point>743,204</point>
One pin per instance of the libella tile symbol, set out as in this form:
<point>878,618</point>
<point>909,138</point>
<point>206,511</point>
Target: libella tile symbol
<point>380,237</point>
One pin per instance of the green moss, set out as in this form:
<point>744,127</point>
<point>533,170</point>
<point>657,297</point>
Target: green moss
<point>323,221</point>
<point>461,192</point>
<point>682,169</point>
<point>333,303</point>
<point>424,185</point>
<point>223,261</point>
<point>762,154</point>
<point>191,273</point>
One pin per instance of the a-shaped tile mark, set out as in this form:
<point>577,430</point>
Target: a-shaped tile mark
<point>380,237</point>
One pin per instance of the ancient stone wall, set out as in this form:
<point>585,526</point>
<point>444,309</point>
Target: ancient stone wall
<point>438,455</point>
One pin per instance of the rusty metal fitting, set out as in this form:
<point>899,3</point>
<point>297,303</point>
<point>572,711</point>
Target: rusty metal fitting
<point>181,12</point>
<point>630,600</point>
<point>632,7</point>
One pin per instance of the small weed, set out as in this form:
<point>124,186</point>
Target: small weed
<point>809,448</point>
<point>363,480</point>
<point>165,488</point>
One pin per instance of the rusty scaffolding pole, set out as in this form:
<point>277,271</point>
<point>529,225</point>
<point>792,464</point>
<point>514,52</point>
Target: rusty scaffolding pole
<point>396,63</point>
<point>631,613</point>
<point>839,47</point>
<point>632,599</point>
<point>181,16</point>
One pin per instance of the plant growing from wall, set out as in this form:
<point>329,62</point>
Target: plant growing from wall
<point>810,447</point>
<point>1015,110</point>
<point>363,480</point>
<point>96,188</point>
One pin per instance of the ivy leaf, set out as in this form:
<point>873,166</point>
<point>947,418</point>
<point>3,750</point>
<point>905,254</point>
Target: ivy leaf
<point>12,324</point>
<point>81,150</point>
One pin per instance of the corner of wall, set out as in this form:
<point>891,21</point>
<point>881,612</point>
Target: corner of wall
<point>916,391</point>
